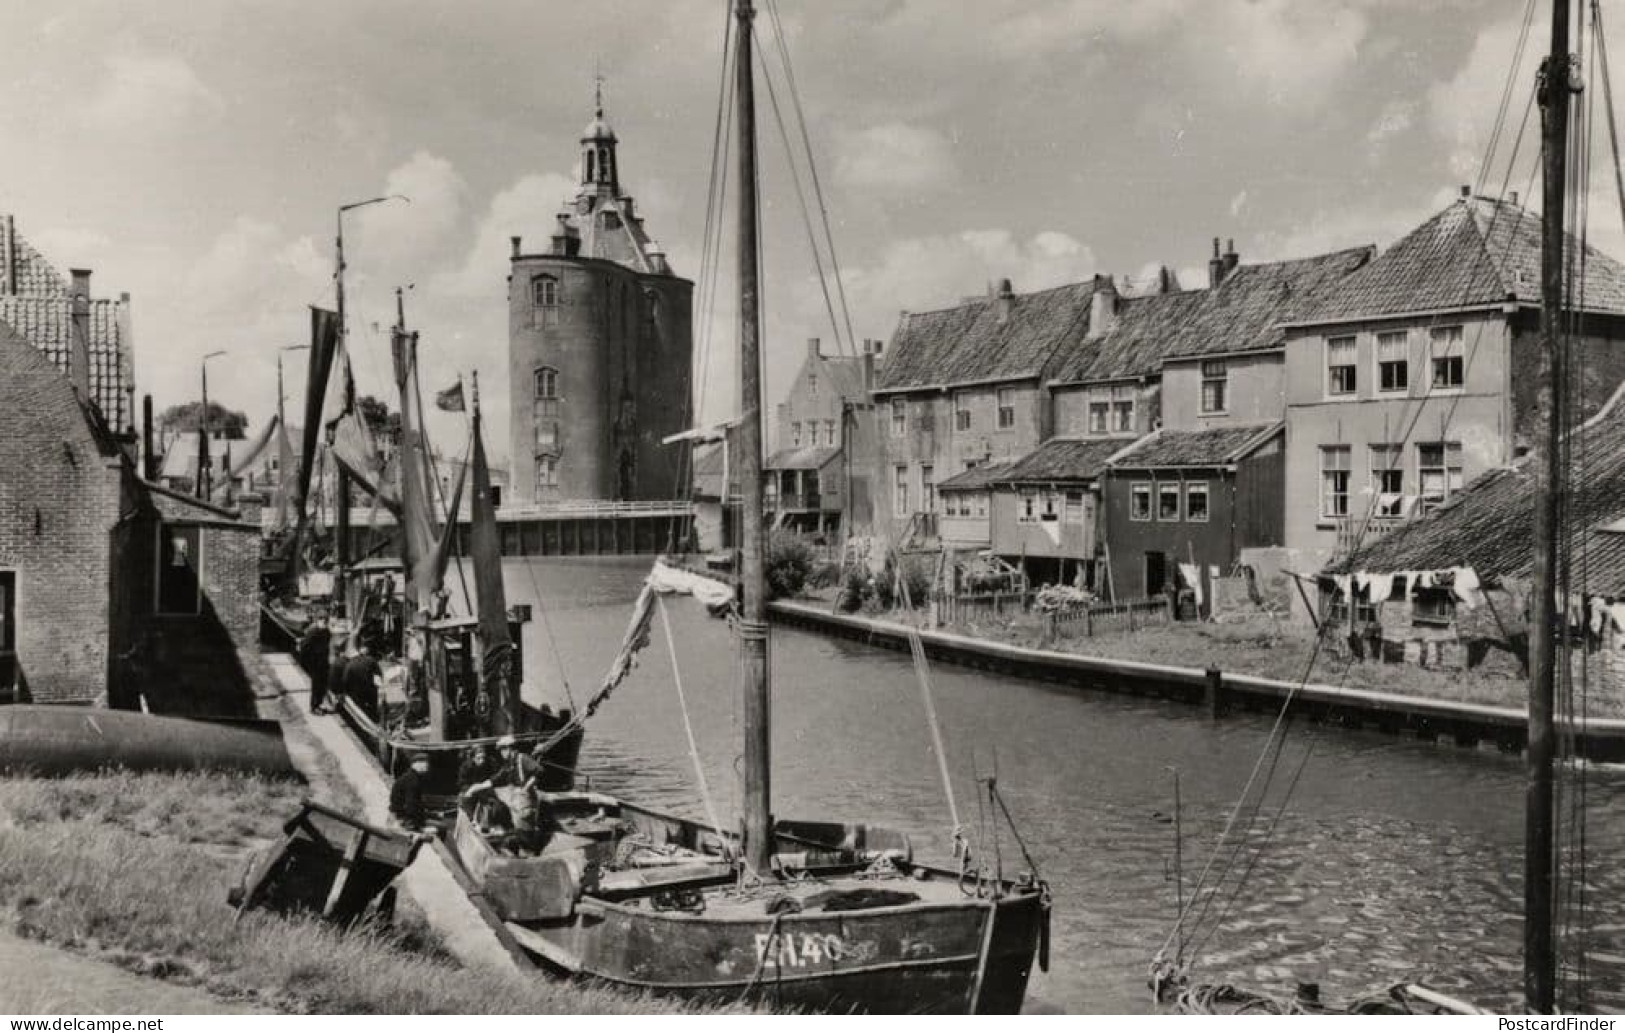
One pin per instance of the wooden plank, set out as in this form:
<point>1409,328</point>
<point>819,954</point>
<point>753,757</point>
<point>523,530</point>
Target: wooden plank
<point>352,857</point>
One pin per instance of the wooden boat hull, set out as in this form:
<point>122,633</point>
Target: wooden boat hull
<point>970,958</point>
<point>946,952</point>
<point>558,762</point>
<point>326,863</point>
<point>63,740</point>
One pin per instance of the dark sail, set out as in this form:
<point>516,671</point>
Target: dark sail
<point>324,341</point>
<point>418,540</point>
<point>491,602</point>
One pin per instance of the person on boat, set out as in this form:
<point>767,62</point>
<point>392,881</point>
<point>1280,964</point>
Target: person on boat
<point>514,768</point>
<point>478,766</point>
<point>406,804</point>
<point>361,675</point>
<point>313,657</point>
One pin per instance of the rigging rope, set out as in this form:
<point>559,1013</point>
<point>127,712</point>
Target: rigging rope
<point>922,672</point>
<point>688,728</point>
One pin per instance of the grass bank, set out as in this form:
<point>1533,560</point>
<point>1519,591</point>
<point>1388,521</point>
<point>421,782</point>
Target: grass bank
<point>134,869</point>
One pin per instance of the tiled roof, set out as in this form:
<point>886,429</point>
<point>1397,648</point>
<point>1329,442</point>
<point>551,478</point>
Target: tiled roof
<point>1488,526</point>
<point>35,302</point>
<point>47,323</point>
<point>975,342</point>
<point>1242,314</point>
<point>24,270</point>
<point>813,457</point>
<point>843,376</point>
<point>976,478</point>
<point>103,437</point>
<point>1063,459</point>
<point>1478,251</point>
<point>1217,446</point>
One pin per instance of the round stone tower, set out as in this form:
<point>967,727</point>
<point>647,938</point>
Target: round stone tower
<point>600,348</point>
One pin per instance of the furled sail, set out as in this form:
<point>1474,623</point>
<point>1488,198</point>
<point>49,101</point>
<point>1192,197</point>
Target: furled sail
<point>491,601</point>
<point>324,339</point>
<point>419,543</point>
<point>355,449</point>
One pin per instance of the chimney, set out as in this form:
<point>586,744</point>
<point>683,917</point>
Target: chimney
<point>8,255</point>
<point>149,455</point>
<point>1103,306</point>
<point>515,242</point>
<point>1231,259</point>
<point>1215,266</point>
<point>1007,299</point>
<point>1514,199</point>
<point>79,354</point>
<point>812,349</point>
<point>868,368</point>
<point>1466,191</point>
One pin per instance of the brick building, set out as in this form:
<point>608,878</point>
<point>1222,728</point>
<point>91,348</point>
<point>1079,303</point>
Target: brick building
<point>819,476</point>
<point>110,588</point>
<point>600,345</point>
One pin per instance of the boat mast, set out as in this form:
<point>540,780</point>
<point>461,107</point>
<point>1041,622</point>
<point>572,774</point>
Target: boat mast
<point>758,830</point>
<point>1540,955</point>
<point>341,532</point>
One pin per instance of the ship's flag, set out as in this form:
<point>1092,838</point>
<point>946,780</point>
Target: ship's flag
<point>451,399</point>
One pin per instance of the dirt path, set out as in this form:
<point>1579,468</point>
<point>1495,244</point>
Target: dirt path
<point>44,980</point>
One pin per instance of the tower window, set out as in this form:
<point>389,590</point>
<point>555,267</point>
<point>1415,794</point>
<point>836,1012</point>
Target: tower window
<point>547,472</point>
<point>592,167</point>
<point>546,291</point>
<point>547,391</point>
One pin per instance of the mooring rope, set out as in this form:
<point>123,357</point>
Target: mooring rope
<point>688,726</point>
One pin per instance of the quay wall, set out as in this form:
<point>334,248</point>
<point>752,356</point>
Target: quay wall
<point>1464,724</point>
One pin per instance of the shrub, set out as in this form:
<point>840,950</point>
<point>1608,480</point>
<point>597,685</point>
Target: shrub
<point>789,562</point>
<point>857,589</point>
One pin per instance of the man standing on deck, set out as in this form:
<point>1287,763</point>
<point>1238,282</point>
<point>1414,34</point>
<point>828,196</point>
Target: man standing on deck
<point>406,804</point>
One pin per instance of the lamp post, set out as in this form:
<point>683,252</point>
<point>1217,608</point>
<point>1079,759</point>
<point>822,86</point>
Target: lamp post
<point>203,458</point>
<point>341,551</point>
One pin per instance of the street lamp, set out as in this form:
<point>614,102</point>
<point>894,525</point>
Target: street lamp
<point>202,485</point>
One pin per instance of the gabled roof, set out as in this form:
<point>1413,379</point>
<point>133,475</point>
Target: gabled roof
<point>33,362</point>
<point>35,302</point>
<point>977,478</point>
<point>977,342</point>
<point>1064,459</point>
<point>1215,446</point>
<point>1478,251</point>
<point>1242,314</point>
<point>1489,525</point>
<point>813,457</point>
<point>844,375</point>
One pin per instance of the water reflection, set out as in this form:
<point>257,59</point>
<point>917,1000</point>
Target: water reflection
<point>1394,859</point>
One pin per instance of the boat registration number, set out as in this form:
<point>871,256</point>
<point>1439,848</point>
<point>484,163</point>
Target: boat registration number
<point>791,950</point>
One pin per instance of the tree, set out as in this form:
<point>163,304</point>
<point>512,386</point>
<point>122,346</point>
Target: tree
<point>184,419</point>
<point>383,423</point>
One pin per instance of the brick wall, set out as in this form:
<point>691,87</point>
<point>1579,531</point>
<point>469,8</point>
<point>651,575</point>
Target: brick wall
<point>60,495</point>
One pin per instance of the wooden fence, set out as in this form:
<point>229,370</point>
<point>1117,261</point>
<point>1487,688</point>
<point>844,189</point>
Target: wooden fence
<point>975,606</point>
<point>1102,618</point>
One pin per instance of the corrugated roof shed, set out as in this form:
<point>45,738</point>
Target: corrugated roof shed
<point>1489,525</point>
<point>1478,251</point>
<point>1217,446</point>
<point>1063,459</point>
<point>812,457</point>
<point>1244,313</point>
<point>978,341</point>
<point>977,478</point>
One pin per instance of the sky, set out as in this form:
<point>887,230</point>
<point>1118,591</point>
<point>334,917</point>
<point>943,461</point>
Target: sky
<point>194,155</point>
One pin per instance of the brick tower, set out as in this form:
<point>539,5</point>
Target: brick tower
<point>600,344</point>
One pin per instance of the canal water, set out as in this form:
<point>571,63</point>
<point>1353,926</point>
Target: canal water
<point>1392,860</point>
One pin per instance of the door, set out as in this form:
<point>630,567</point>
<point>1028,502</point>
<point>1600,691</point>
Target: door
<point>8,635</point>
<point>1156,572</point>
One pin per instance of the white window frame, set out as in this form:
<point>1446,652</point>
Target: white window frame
<point>1193,489</point>
<point>544,291</point>
<point>899,417</point>
<point>1136,491</point>
<point>197,563</point>
<point>1122,411</point>
<point>1391,461</point>
<point>1215,372</point>
<point>795,434</point>
<point>963,418</point>
<point>1447,342</point>
<point>1327,509</point>
<point>552,478</point>
<point>1050,505</point>
<point>1450,474</point>
<point>829,432</point>
<point>1170,489</point>
<point>1100,415</point>
<point>899,505</point>
<point>1027,506</point>
<point>1005,398</point>
<point>1403,339</point>
<point>1336,344</point>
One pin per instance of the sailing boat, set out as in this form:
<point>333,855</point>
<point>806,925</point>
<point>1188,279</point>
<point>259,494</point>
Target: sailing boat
<point>815,915</point>
<point>461,674</point>
<point>1548,622</point>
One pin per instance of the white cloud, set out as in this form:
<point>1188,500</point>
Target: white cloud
<point>1461,110</point>
<point>399,241</point>
<point>151,92</point>
<point>525,209</point>
<point>894,156</point>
